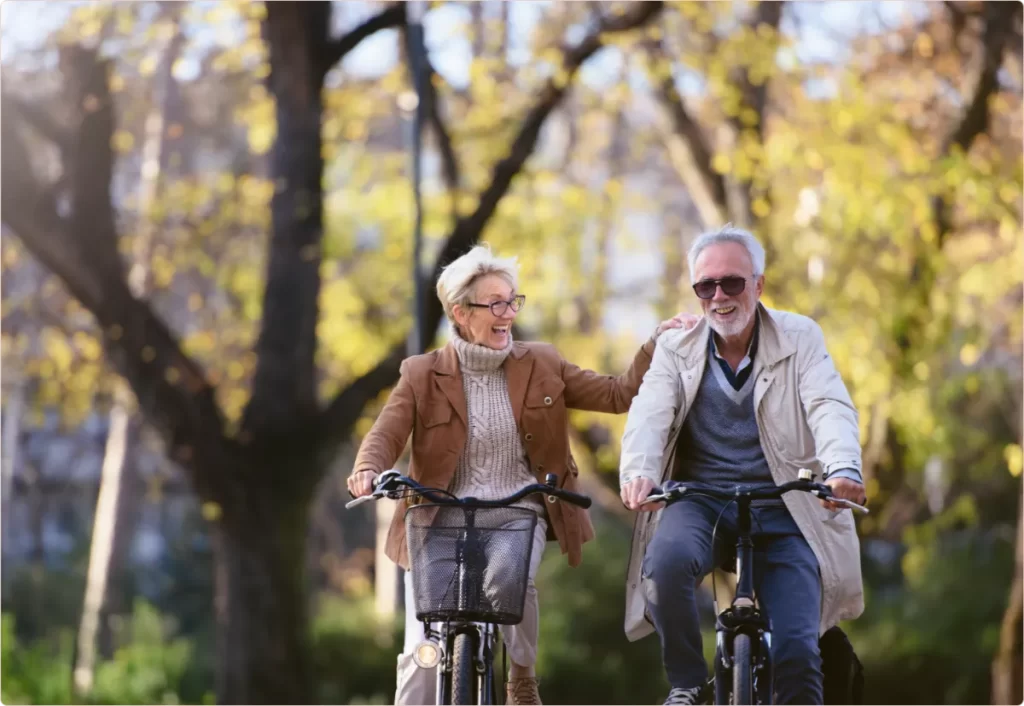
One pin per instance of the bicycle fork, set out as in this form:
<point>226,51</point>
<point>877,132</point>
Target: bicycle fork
<point>483,636</point>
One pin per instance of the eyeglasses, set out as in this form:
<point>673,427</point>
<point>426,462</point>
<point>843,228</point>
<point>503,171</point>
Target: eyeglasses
<point>733,285</point>
<point>499,307</point>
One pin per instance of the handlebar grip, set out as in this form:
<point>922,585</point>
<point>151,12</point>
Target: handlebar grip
<point>374,484</point>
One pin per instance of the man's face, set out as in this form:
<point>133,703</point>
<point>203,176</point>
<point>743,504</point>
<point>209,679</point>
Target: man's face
<point>728,315</point>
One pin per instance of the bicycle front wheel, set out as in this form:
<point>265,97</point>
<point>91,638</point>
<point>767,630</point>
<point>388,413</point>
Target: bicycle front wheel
<point>742,671</point>
<point>463,671</point>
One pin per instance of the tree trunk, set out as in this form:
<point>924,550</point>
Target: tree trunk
<point>284,385</point>
<point>103,530</point>
<point>13,411</point>
<point>108,548</point>
<point>126,523</point>
<point>1007,674</point>
<point>263,650</point>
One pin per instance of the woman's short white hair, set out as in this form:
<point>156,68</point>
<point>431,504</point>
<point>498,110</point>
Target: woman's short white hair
<point>727,234</point>
<point>455,285</point>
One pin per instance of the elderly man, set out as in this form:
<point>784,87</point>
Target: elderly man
<point>747,396</point>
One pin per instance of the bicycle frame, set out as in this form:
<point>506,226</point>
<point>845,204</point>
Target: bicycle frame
<point>468,554</point>
<point>743,616</point>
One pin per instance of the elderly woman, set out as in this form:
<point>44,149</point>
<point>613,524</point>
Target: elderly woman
<point>488,417</point>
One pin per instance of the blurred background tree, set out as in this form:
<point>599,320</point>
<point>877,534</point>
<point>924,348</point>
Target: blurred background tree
<point>212,204</point>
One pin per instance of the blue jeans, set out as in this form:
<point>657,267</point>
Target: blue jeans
<point>786,581</point>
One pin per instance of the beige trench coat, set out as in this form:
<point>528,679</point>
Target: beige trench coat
<point>806,419</point>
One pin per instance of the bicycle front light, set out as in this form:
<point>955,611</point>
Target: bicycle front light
<point>426,655</point>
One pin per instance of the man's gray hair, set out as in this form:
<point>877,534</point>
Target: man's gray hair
<point>455,285</point>
<point>727,234</point>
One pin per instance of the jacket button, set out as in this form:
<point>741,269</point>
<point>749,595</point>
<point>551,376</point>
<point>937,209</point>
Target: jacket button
<point>547,401</point>
<point>529,436</point>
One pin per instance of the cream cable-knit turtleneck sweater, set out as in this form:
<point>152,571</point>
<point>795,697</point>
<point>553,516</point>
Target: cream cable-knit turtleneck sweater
<point>493,463</point>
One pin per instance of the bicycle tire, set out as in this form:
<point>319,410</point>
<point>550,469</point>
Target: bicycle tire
<point>742,671</point>
<point>463,671</point>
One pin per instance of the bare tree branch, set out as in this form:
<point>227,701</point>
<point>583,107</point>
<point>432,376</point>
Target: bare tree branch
<point>754,97</point>
<point>393,16</point>
<point>449,160</point>
<point>42,121</point>
<point>91,167</point>
<point>999,21</point>
<point>717,199</point>
<point>467,231</point>
<point>689,149</point>
<point>171,388</point>
<point>344,409</point>
<point>998,25</point>
<point>27,207</point>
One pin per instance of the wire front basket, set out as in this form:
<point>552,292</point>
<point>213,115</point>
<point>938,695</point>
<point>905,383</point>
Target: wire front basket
<point>470,562</point>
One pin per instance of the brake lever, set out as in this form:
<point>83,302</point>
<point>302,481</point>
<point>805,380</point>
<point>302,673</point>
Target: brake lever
<point>840,501</point>
<point>850,504</point>
<point>359,501</point>
<point>381,480</point>
<point>663,496</point>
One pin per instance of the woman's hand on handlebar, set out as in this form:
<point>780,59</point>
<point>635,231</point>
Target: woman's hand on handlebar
<point>360,483</point>
<point>845,489</point>
<point>635,492</point>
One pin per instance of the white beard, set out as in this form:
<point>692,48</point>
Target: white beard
<point>728,329</point>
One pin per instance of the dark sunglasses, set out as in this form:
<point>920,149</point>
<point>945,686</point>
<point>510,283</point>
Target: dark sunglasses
<point>705,289</point>
<point>498,308</point>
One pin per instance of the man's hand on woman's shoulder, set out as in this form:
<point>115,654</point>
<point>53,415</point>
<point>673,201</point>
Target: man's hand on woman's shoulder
<point>680,320</point>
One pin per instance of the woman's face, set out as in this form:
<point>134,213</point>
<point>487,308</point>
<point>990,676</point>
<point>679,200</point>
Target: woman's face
<point>477,321</point>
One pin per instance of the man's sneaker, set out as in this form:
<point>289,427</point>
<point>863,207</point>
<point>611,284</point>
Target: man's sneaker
<point>684,697</point>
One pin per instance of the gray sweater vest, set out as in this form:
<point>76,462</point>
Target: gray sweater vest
<point>719,443</point>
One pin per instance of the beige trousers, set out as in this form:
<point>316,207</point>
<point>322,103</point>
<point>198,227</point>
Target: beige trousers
<point>419,686</point>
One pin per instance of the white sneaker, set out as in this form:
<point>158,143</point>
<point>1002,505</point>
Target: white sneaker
<point>683,697</point>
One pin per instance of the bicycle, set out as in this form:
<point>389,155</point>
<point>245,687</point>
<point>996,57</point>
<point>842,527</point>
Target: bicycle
<point>470,563</point>
<point>742,631</point>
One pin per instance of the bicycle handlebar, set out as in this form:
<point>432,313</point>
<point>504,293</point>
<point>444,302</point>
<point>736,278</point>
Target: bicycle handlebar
<point>390,482</point>
<point>818,489</point>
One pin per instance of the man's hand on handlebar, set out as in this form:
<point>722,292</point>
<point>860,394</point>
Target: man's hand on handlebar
<point>635,492</point>
<point>360,483</point>
<point>845,489</point>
